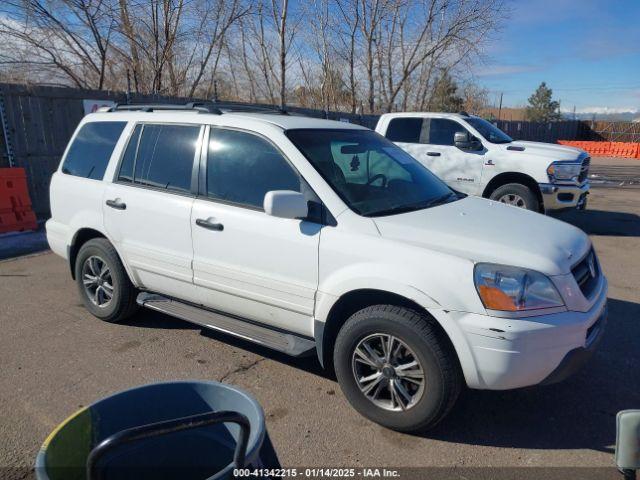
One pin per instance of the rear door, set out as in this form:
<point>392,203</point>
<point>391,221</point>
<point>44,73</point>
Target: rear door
<point>246,262</point>
<point>147,209</point>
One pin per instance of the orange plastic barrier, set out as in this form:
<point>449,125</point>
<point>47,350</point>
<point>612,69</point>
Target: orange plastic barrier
<point>606,149</point>
<point>15,204</point>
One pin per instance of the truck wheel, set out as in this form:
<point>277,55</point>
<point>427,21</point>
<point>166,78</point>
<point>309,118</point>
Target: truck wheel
<point>517,195</point>
<point>395,368</point>
<point>104,285</point>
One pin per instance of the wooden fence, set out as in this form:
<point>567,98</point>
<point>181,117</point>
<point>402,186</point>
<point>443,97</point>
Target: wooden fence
<point>38,122</point>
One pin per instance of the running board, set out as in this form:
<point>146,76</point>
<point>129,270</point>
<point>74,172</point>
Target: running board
<point>288,343</point>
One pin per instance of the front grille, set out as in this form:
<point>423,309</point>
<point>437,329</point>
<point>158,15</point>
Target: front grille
<point>586,272</point>
<point>584,171</point>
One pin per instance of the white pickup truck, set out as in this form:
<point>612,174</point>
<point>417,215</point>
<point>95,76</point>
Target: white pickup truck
<point>475,157</point>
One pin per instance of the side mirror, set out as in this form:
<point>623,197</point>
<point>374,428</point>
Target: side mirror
<point>466,141</point>
<point>628,442</point>
<point>285,204</point>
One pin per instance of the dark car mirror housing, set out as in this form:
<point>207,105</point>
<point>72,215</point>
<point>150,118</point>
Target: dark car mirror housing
<point>466,141</point>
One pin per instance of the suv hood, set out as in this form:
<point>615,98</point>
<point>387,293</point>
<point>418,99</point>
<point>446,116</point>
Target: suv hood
<point>547,150</point>
<point>486,231</point>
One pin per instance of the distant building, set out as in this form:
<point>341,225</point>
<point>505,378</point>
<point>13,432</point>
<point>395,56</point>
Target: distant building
<point>507,113</point>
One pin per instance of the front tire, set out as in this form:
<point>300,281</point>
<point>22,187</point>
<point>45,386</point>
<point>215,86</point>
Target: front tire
<point>517,195</point>
<point>396,368</point>
<point>103,283</point>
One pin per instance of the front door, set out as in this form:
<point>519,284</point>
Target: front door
<point>147,209</point>
<point>461,169</point>
<point>246,262</point>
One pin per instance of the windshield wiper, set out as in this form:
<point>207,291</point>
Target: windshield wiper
<point>443,199</point>
<point>413,206</point>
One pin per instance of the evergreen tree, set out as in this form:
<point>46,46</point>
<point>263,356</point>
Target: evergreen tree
<point>445,96</point>
<point>541,107</point>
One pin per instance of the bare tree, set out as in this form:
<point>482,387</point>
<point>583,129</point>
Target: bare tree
<point>350,18</point>
<point>420,30</point>
<point>372,12</point>
<point>70,38</point>
<point>332,54</point>
<point>475,97</point>
<point>280,19</point>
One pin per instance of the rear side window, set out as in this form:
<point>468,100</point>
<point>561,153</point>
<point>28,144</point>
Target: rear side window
<point>242,168</point>
<point>407,130</point>
<point>89,154</point>
<point>161,156</point>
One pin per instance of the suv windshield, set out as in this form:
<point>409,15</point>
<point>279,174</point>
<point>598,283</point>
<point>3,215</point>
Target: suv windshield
<point>371,175</point>
<point>489,131</point>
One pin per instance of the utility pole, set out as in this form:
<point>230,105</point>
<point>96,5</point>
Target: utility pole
<point>559,111</point>
<point>500,107</point>
<point>574,113</point>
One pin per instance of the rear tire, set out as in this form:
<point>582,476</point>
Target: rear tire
<point>432,382</point>
<point>103,283</point>
<point>517,195</point>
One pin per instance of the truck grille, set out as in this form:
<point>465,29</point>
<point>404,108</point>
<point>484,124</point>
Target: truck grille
<point>584,171</point>
<point>587,272</point>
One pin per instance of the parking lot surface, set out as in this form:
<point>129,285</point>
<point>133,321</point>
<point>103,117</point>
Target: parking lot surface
<point>56,357</point>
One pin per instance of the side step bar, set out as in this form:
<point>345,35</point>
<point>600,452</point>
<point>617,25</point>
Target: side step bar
<point>288,343</point>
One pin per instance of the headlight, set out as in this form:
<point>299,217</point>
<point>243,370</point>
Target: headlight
<point>514,289</point>
<point>564,171</point>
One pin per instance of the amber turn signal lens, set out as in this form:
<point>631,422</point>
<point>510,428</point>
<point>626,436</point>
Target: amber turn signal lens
<point>495,299</point>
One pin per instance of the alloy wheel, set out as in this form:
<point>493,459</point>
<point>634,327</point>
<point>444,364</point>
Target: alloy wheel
<point>513,199</point>
<point>388,372</point>
<point>97,281</point>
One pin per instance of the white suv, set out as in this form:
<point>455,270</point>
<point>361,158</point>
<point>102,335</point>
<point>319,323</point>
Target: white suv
<point>474,156</point>
<point>310,235</point>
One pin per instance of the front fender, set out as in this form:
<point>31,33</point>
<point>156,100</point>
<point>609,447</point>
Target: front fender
<point>430,278</point>
<point>336,288</point>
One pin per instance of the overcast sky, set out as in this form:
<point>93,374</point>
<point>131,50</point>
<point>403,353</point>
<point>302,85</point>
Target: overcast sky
<point>588,52</point>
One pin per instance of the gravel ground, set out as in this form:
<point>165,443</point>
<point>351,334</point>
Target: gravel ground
<point>55,357</point>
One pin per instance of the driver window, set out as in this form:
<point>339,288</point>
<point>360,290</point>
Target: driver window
<point>243,167</point>
<point>442,131</point>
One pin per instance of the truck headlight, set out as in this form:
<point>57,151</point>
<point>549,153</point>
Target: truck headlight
<point>514,289</point>
<point>564,171</point>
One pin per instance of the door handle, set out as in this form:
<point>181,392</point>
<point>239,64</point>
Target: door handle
<point>117,204</point>
<point>433,154</point>
<point>209,225</point>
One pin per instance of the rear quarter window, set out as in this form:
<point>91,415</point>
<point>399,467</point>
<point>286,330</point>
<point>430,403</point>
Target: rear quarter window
<point>404,130</point>
<point>89,154</point>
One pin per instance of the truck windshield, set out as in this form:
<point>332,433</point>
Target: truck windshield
<point>371,175</point>
<point>489,131</point>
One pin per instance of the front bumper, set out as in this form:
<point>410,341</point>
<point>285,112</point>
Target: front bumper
<point>508,353</point>
<point>561,197</point>
<point>576,358</point>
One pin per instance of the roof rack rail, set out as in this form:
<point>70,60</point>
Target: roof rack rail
<point>463,113</point>
<point>151,107</point>
<point>217,108</point>
<point>244,108</point>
